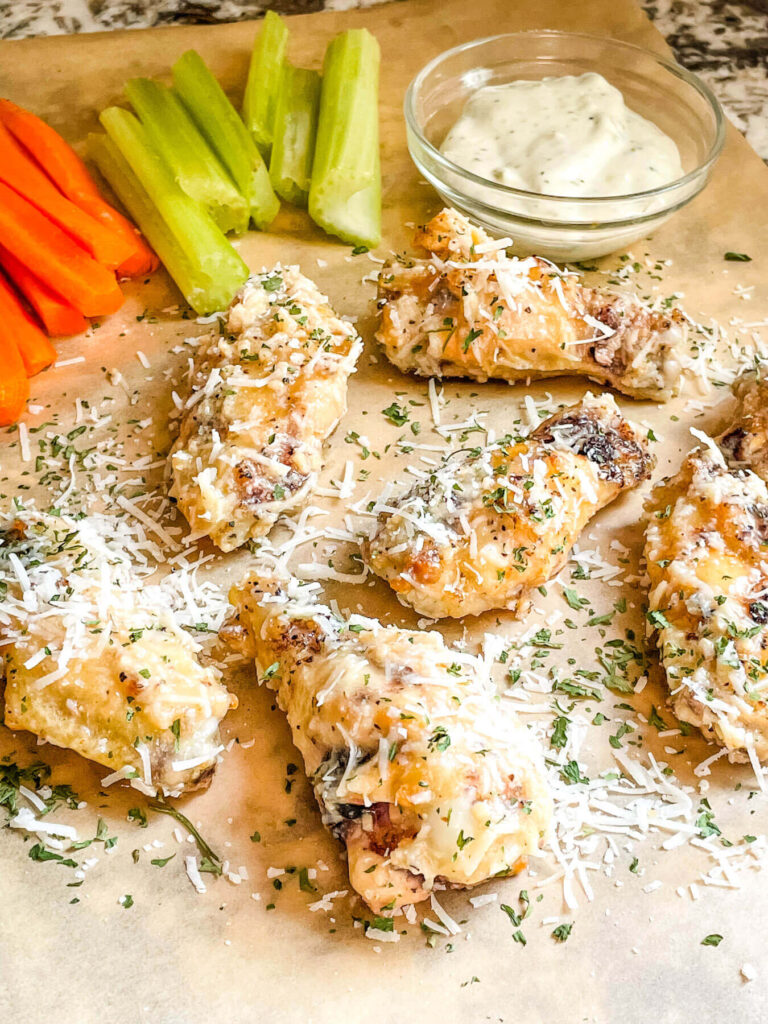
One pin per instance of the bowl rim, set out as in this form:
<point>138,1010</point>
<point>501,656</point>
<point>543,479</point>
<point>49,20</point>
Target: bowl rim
<point>672,66</point>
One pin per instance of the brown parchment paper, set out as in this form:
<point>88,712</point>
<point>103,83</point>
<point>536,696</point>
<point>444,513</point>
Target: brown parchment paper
<point>176,957</point>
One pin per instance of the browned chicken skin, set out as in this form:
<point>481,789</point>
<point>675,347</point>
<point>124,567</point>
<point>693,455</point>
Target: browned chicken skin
<point>468,310</point>
<point>707,553</point>
<point>96,662</point>
<point>418,770</point>
<point>492,523</point>
<point>267,394</point>
<point>746,441</point>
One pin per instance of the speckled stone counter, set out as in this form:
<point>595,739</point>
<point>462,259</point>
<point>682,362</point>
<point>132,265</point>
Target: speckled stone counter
<point>727,44</point>
<point>725,41</point>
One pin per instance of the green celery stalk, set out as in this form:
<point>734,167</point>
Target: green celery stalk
<point>196,254</point>
<point>345,193</point>
<point>220,123</point>
<point>262,87</point>
<point>195,166</point>
<point>295,128</point>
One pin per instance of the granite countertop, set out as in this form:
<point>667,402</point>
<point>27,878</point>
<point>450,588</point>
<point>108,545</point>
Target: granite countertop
<point>724,41</point>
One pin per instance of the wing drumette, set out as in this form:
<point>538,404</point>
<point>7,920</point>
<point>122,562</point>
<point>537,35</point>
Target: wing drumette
<point>420,772</point>
<point>266,395</point>
<point>93,663</point>
<point>707,552</point>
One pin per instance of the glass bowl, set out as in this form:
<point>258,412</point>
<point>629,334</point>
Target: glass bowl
<point>563,227</point>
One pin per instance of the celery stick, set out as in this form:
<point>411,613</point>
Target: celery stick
<point>345,194</point>
<point>262,88</point>
<point>295,128</point>
<point>196,254</point>
<point>195,166</point>
<point>220,123</point>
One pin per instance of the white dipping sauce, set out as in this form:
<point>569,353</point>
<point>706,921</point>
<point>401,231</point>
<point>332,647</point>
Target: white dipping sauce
<point>566,136</point>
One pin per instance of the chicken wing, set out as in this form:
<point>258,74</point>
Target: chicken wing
<point>745,443</point>
<point>266,395</point>
<point>469,310</point>
<point>93,664</point>
<point>707,552</point>
<point>489,524</point>
<point>418,770</point>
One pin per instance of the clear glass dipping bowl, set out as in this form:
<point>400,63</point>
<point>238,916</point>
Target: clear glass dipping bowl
<point>563,227</point>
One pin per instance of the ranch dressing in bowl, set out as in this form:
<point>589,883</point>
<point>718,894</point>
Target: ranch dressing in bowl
<point>567,136</point>
<point>603,140</point>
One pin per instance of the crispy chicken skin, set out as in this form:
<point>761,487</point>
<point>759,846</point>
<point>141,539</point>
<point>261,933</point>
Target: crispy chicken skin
<point>90,664</point>
<point>707,552</point>
<point>266,394</point>
<point>468,310</point>
<point>745,443</point>
<point>418,770</point>
<point>490,524</point>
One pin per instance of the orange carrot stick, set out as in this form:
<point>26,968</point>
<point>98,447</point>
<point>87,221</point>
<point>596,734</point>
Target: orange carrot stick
<point>50,150</point>
<point>58,317</point>
<point>143,260</point>
<point>23,175</point>
<point>35,349</point>
<point>68,172</point>
<point>14,386</point>
<point>59,262</point>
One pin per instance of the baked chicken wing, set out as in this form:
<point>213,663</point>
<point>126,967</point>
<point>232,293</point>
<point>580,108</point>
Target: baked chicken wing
<point>745,442</point>
<point>418,770</point>
<point>266,395</point>
<point>469,310</point>
<point>93,664</point>
<point>707,552</point>
<point>489,524</point>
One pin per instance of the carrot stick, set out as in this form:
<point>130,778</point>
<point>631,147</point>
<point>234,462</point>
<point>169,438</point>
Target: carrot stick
<point>23,175</point>
<point>14,386</point>
<point>35,349</point>
<point>50,150</point>
<point>68,172</point>
<point>59,262</point>
<point>59,318</point>
<point>143,260</point>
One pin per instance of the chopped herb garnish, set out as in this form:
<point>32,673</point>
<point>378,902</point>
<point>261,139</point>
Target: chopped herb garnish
<point>571,774</point>
<point>474,333</point>
<point>573,599</point>
<point>272,283</point>
<point>210,861</point>
<point>462,840</point>
<point>271,671</point>
<point>513,916</point>
<point>656,720</point>
<point>560,733</point>
<point>382,924</point>
<point>139,815</point>
<point>396,414</point>
<point>304,881</point>
<point>439,740</point>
